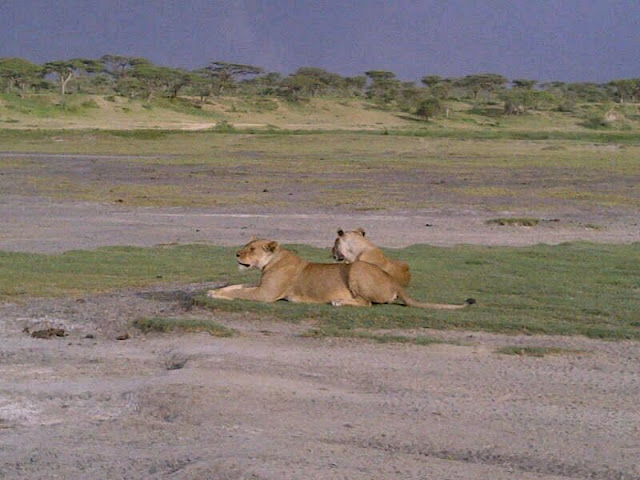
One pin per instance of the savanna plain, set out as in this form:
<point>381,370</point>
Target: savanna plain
<point>114,364</point>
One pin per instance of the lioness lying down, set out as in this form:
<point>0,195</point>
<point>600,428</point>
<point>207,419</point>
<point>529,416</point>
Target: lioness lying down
<point>353,245</point>
<point>287,276</point>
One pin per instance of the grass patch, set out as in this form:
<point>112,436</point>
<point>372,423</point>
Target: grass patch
<point>191,325</point>
<point>354,171</point>
<point>93,271</point>
<point>140,134</point>
<point>609,136</point>
<point>38,105</point>
<point>374,337</point>
<point>514,222</point>
<point>569,289</point>
<point>535,351</point>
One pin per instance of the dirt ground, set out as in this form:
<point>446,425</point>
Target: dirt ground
<point>108,402</point>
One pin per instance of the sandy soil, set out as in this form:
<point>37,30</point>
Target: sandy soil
<point>40,225</point>
<point>107,401</point>
<point>269,404</point>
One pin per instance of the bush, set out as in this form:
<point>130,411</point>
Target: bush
<point>90,103</point>
<point>223,126</point>
<point>595,120</point>
<point>429,108</point>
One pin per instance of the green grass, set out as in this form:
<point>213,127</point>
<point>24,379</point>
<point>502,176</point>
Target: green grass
<point>190,325</point>
<point>535,351</point>
<point>569,289</point>
<point>608,136</point>
<point>39,106</point>
<point>104,269</point>
<point>49,105</point>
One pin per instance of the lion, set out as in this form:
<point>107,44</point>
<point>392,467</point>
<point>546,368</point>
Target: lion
<point>286,276</point>
<point>353,245</point>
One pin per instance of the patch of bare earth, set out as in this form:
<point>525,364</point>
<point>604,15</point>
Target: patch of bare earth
<point>271,404</point>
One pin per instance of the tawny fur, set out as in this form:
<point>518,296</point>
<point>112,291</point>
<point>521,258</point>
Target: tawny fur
<point>353,245</point>
<point>286,276</point>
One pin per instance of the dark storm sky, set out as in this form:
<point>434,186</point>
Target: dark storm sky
<point>571,40</point>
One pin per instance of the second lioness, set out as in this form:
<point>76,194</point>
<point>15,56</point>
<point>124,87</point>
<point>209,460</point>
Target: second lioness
<point>353,245</point>
<point>286,276</point>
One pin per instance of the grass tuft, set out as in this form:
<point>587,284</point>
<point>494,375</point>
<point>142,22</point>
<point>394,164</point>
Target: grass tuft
<point>535,351</point>
<point>514,222</point>
<point>171,324</point>
<point>375,337</point>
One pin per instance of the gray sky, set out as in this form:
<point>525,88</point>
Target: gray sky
<point>565,40</point>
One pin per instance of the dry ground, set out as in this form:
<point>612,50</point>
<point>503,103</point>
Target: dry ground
<point>270,404</point>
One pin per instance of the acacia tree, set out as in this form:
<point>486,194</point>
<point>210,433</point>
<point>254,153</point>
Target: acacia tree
<point>428,108</point>
<point>224,75</point>
<point>409,95</point>
<point>65,70</point>
<point>521,97</point>
<point>383,85</point>
<point>482,82</point>
<point>150,78</point>
<point>587,91</point>
<point>120,66</point>
<point>312,81</point>
<point>431,80</point>
<point>524,84</point>
<point>269,84</point>
<point>200,85</point>
<point>19,73</point>
<point>517,101</point>
<point>177,79</point>
<point>355,85</point>
<point>626,89</point>
<point>154,80</point>
<point>438,87</point>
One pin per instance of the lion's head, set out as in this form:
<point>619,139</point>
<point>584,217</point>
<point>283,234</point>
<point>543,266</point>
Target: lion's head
<point>256,254</point>
<point>348,245</point>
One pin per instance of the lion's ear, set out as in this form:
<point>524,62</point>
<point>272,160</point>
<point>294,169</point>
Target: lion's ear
<point>270,247</point>
<point>254,238</point>
<point>361,230</point>
<point>340,232</point>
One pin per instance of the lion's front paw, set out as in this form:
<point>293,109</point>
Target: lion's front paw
<point>217,293</point>
<point>221,292</point>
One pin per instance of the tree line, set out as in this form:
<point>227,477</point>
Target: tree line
<point>139,78</point>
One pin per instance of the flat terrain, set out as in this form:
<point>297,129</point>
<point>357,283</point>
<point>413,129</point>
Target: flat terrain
<point>107,401</point>
<point>270,404</point>
<point>164,188</point>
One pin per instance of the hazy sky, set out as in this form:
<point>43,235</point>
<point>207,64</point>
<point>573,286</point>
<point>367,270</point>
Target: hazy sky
<point>566,40</point>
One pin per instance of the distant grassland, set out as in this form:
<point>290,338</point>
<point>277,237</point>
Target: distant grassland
<point>568,289</point>
<point>355,170</point>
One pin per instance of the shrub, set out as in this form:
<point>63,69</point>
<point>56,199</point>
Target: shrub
<point>429,108</point>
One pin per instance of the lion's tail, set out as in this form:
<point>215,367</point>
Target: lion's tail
<point>437,306</point>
